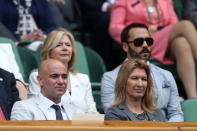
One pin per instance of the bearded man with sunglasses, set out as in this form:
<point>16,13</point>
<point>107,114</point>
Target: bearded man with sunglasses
<point>136,43</point>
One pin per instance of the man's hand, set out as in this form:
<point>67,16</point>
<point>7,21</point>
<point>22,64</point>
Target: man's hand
<point>110,7</point>
<point>59,1</point>
<point>36,34</point>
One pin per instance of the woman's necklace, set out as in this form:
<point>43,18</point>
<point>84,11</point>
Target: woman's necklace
<point>141,116</point>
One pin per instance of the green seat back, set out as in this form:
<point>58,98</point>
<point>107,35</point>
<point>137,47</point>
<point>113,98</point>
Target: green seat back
<point>81,60</point>
<point>16,53</point>
<point>97,99</point>
<point>28,60</point>
<point>96,69</point>
<point>95,64</point>
<point>178,7</point>
<point>37,55</point>
<point>189,108</point>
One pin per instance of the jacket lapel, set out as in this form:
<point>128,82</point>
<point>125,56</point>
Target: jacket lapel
<point>127,112</point>
<point>3,99</point>
<point>42,107</point>
<point>150,116</point>
<point>4,111</point>
<point>75,87</point>
<point>157,86</point>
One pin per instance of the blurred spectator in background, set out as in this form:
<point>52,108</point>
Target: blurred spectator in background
<point>67,14</point>
<point>5,32</point>
<point>27,20</point>
<point>190,11</point>
<point>8,94</point>
<point>96,17</point>
<point>171,37</point>
<point>9,63</point>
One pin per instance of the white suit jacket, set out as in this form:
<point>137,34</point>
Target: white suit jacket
<point>165,88</point>
<point>81,98</point>
<point>35,109</point>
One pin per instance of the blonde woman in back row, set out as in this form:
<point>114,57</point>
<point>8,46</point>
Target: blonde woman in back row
<point>60,44</point>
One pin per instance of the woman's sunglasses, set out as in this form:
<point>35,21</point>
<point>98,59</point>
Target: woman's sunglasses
<point>139,41</point>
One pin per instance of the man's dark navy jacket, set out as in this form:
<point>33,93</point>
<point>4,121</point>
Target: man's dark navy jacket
<point>8,92</point>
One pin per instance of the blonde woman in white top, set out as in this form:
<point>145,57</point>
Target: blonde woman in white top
<point>60,44</point>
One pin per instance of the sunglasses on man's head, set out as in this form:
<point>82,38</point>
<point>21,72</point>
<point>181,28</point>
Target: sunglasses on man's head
<point>139,41</point>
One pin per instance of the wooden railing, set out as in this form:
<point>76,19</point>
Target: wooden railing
<point>87,125</point>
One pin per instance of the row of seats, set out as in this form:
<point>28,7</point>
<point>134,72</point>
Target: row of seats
<point>87,61</point>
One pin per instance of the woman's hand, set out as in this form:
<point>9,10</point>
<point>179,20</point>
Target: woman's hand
<point>152,29</point>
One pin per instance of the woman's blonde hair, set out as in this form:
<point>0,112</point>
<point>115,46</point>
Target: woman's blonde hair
<point>52,40</point>
<point>121,81</point>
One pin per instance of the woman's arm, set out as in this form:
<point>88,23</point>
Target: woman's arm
<point>171,13</point>
<point>118,14</point>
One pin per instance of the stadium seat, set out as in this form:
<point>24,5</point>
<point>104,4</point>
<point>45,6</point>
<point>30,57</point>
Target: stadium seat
<point>29,61</point>
<point>178,7</point>
<point>96,70</point>
<point>4,40</point>
<point>81,60</point>
<point>95,64</point>
<point>89,62</point>
<point>189,108</point>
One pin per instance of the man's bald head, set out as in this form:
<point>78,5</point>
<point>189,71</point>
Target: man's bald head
<point>46,64</point>
<point>52,78</point>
